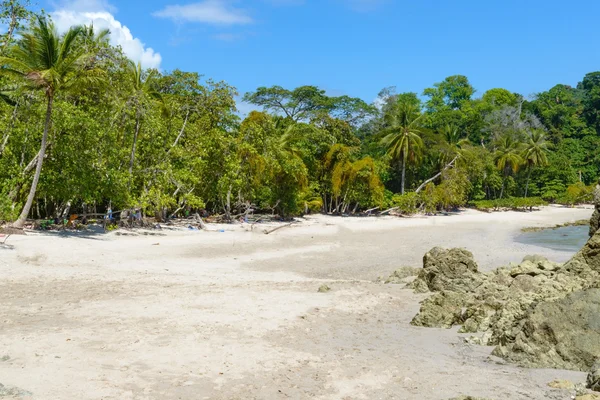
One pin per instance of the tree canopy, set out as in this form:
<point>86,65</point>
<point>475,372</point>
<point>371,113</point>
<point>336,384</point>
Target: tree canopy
<point>84,129</point>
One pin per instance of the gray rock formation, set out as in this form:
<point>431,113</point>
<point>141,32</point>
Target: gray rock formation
<point>454,270</point>
<point>593,378</point>
<point>563,334</point>
<point>595,221</point>
<point>537,313</point>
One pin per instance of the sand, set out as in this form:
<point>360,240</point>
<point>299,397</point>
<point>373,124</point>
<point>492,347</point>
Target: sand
<point>237,314</point>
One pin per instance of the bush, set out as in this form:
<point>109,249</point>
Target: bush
<point>577,193</point>
<point>509,203</point>
<point>7,213</point>
<point>407,203</point>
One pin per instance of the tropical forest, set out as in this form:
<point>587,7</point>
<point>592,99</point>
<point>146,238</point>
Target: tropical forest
<point>85,129</point>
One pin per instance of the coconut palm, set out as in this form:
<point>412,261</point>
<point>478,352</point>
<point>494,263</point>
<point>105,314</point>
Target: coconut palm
<point>534,153</point>
<point>507,156</point>
<point>403,140</point>
<point>46,61</point>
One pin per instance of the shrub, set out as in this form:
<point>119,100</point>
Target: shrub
<point>576,194</point>
<point>509,203</point>
<point>407,203</point>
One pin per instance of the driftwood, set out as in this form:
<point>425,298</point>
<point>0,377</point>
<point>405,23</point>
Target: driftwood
<point>450,164</point>
<point>200,221</point>
<point>389,210</point>
<point>371,210</point>
<point>3,244</point>
<point>278,228</point>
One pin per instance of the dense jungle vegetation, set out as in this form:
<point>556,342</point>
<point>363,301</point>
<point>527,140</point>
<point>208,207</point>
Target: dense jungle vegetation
<point>83,128</point>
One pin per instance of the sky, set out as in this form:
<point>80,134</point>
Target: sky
<point>354,47</point>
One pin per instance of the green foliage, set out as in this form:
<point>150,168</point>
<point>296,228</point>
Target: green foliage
<point>407,203</point>
<point>577,193</point>
<point>117,135</point>
<point>509,203</point>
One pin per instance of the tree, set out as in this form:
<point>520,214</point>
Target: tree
<point>143,89</point>
<point>534,153</point>
<point>46,61</point>
<point>507,156</point>
<point>451,93</point>
<point>307,102</point>
<point>298,104</point>
<point>403,141</point>
<point>499,97</point>
<point>12,15</point>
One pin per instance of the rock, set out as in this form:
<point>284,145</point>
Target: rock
<point>442,310</point>
<point>563,334</point>
<point>324,289</point>
<point>593,378</point>
<point>562,384</point>
<point>538,313</point>
<point>467,398</point>
<point>443,269</point>
<point>595,221</point>
<point>533,266</point>
<point>589,396</point>
<point>400,275</point>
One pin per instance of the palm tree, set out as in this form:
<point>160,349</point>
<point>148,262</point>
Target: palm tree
<point>534,153</point>
<point>403,136</point>
<point>143,89</point>
<point>507,156</point>
<point>52,63</point>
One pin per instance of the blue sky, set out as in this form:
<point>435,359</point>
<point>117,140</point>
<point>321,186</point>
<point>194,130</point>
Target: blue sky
<point>356,47</point>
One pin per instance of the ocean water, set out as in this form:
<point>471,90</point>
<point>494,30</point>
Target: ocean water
<point>568,238</point>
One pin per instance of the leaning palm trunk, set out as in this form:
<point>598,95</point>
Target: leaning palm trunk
<point>403,172</point>
<point>527,183</point>
<point>19,223</point>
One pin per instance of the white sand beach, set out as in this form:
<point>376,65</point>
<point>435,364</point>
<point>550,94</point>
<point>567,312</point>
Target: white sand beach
<point>236,314</point>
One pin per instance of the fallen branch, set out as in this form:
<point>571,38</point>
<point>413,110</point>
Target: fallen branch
<point>278,228</point>
<point>200,221</point>
<point>388,210</point>
<point>371,209</point>
<point>450,164</point>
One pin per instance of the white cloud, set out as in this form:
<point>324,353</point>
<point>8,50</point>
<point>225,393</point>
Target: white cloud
<point>99,12</point>
<point>217,12</point>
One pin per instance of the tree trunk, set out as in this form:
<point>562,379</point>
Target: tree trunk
<point>181,131</point>
<point>527,184</point>
<point>19,223</point>
<point>502,190</point>
<point>450,164</point>
<point>403,172</point>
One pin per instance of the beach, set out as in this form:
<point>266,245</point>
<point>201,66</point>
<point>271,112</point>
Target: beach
<point>234,313</point>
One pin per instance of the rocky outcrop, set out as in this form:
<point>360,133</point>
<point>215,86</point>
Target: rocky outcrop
<point>442,310</point>
<point>454,270</point>
<point>537,313</point>
<point>595,221</point>
<point>593,378</point>
<point>563,334</point>
<point>401,274</point>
